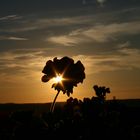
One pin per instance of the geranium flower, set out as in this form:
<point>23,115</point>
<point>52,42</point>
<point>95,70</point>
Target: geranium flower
<point>65,73</point>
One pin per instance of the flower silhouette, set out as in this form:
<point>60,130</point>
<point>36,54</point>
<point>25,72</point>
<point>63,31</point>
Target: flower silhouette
<point>65,72</point>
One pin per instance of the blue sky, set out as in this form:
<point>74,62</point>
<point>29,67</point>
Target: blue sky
<point>103,34</point>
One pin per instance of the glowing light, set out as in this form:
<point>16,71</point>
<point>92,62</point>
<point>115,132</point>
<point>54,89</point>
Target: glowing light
<point>58,79</point>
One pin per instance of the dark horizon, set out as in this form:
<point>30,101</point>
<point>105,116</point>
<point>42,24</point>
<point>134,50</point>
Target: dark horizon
<point>8,103</point>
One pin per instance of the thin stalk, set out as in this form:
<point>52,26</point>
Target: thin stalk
<point>54,101</point>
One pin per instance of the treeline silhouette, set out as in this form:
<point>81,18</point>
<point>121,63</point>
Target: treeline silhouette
<point>87,119</point>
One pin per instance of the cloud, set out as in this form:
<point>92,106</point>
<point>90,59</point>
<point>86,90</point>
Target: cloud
<point>17,38</point>
<point>101,1</point>
<point>124,45</point>
<point>13,38</point>
<point>26,63</point>
<point>104,33</point>
<point>99,33</point>
<point>66,40</point>
<point>46,23</point>
<point>10,17</point>
<point>126,59</point>
<point>96,63</point>
<point>31,64</point>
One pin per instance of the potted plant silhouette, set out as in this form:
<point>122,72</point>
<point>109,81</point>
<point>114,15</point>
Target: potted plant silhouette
<point>66,75</point>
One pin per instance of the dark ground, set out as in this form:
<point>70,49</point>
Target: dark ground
<point>74,119</point>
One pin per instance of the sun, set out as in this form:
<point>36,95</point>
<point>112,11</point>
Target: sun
<point>58,78</point>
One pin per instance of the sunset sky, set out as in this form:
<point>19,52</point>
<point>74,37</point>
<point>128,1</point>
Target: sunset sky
<point>103,34</point>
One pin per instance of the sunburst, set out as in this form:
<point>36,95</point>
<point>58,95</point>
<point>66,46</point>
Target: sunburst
<point>58,79</point>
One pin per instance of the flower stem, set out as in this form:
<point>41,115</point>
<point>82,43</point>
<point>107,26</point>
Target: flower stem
<point>54,101</point>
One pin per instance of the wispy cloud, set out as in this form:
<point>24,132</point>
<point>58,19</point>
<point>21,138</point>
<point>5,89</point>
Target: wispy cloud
<point>125,58</point>
<point>66,40</point>
<point>13,62</point>
<point>17,38</point>
<point>86,22</point>
<point>98,33</point>
<point>14,38</point>
<point>124,45</point>
<point>99,63</point>
<point>103,33</point>
<point>10,17</point>
<point>46,23</point>
<point>101,2</point>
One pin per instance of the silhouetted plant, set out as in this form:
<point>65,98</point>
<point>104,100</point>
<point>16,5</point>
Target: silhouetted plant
<point>101,91</point>
<point>66,74</point>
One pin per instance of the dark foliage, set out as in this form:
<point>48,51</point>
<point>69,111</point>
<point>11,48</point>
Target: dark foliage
<point>101,91</point>
<point>85,119</point>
